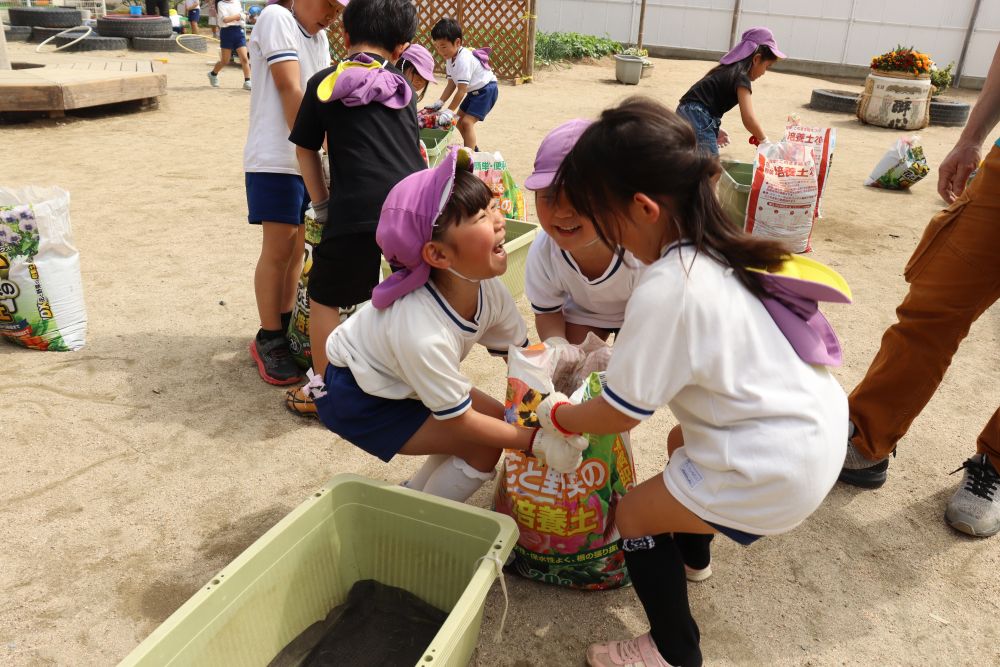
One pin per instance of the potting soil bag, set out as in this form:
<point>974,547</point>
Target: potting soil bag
<point>783,193</point>
<point>492,169</point>
<point>567,533</point>
<point>903,165</point>
<point>822,141</point>
<point>298,328</point>
<point>41,292</point>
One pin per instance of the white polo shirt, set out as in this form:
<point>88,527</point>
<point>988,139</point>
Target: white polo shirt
<point>765,434</point>
<point>554,283</point>
<point>413,348</point>
<point>466,68</point>
<point>277,37</point>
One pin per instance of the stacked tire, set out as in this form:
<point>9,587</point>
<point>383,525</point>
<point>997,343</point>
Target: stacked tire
<point>45,17</point>
<point>128,26</point>
<point>91,42</point>
<point>17,33</point>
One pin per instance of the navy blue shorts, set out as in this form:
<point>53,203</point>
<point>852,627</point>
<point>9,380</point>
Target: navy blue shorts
<point>276,198</point>
<point>232,38</point>
<point>746,539</point>
<point>706,126</point>
<point>380,426</point>
<point>480,102</point>
<point>194,15</point>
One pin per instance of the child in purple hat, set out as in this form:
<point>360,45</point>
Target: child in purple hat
<point>417,66</point>
<point>576,284</point>
<point>394,383</point>
<point>728,84</point>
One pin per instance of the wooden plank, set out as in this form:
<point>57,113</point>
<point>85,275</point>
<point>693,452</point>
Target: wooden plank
<point>121,89</point>
<point>29,95</point>
<point>62,88</point>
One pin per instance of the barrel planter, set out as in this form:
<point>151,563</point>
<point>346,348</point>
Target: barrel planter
<point>897,100</point>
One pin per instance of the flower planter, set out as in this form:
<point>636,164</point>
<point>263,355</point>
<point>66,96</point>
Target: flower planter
<point>897,100</point>
<point>628,69</point>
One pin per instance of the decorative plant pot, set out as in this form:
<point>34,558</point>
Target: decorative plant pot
<point>897,100</point>
<point>647,68</point>
<point>628,69</point>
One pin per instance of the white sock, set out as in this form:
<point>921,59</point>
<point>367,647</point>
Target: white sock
<point>456,480</point>
<point>419,478</point>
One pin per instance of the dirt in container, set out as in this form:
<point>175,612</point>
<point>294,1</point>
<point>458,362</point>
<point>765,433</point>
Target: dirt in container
<point>378,626</point>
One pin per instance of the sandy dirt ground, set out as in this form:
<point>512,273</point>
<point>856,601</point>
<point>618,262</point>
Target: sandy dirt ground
<point>138,467</point>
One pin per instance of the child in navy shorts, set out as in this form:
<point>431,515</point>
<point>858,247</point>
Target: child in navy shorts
<point>365,111</point>
<point>229,14</point>
<point>469,77</point>
<point>394,383</point>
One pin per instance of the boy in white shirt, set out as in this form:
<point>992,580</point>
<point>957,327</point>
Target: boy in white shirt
<point>576,284</point>
<point>287,49</point>
<point>394,383</point>
<point>229,14</point>
<point>469,78</point>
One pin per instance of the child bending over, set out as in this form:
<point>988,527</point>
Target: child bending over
<point>393,384</point>
<point>735,352</point>
<point>576,284</point>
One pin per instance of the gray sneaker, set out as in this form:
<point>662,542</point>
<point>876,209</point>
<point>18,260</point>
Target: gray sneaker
<point>975,507</point>
<point>213,79</point>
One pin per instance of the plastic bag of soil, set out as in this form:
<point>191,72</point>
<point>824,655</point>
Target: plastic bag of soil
<point>492,169</point>
<point>822,141</point>
<point>567,533</point>
<point>903,165</point>
<point>783,194</point>
<point>298,327</point>
<point>41,291</point>
<point>378,626</point>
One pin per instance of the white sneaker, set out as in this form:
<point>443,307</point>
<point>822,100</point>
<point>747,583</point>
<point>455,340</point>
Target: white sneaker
<point>246,85</point>
<point>213,79</point>
<point>698,575</point>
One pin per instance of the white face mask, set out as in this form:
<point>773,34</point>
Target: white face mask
<point>453,271</point>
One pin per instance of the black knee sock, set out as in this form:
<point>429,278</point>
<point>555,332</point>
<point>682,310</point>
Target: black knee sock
<point>286,319</point>
<point>657,572</point>
<point>695,549</point>
<point>267,334</point>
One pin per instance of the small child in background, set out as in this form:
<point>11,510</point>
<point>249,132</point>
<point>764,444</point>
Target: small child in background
<point>193,10</point>
<point>229,14</point>
<point>394,383</point>
<point>723,328</point>
<point>417,66</point>
<point>175,21</point>
<point>575,283</point>
<point>726,85</point>
<point>469,77</point>
<point>213,19</point>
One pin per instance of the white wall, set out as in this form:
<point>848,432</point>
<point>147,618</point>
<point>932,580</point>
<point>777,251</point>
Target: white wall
<point>835,31</point>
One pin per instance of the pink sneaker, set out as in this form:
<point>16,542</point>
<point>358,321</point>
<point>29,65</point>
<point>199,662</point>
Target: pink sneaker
<point>638,652</point>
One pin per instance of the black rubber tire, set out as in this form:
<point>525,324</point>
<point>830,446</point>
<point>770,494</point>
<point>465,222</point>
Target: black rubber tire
<point>46,17</point>
<point>140,26</point>
<point>91,42</point>
<point>169,44</point>
<point>839,101</point>
<point>17,33</point>
<point>949,112</point>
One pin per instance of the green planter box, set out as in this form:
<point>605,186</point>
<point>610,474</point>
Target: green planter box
<point>734,190</point>
<point>351,529</point>
<point>437,141</point>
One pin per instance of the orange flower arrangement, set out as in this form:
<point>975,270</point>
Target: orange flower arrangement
<point>903,59</point>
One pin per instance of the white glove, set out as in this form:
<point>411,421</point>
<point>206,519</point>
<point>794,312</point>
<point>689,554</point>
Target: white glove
<point>564,455</point>
<point>445,117</point>
<point>544,413</point>
<point>437,105</point>
<point>555,341</point>
<point>320,211</point>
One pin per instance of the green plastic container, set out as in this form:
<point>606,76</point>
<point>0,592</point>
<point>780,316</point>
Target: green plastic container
<point>351,529</point>
<point>437,141</point>
<point>734,190</point>
<point>518,238</point>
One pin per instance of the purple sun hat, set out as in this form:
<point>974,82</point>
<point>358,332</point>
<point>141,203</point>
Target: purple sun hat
<point>749,41</point>
<point>407,222</point>
<point>422,61</point>
<point>554,148</point>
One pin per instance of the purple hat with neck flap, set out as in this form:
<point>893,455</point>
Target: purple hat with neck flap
<point>422,61</point>
<point>749,41</point>
<point>407,223</point>
<point>553,150</point>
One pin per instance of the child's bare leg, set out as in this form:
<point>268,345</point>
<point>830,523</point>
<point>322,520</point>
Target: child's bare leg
<point>438,437</point>
<point>244,61</point>
<point>467,128</point>
<point>577,333</point>
<point>290,284</point>
<point>322,321</point>
<point>276,253</point>
<point>224,56</point>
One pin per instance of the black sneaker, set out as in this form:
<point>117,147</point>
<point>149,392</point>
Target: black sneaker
<point>860,471</point>
<point>274,361</point>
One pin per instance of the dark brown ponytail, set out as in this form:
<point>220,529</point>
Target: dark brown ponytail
<point>641,146</point>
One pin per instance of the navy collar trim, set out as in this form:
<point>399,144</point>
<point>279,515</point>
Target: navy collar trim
<point>460,322</point>
<point>615,265</point>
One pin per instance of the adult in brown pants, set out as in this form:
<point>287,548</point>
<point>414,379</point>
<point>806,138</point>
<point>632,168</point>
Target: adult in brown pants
<point>954,276</point>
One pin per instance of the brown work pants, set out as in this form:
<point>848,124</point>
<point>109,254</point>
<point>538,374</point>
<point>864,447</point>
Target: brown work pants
<point>954,276</point>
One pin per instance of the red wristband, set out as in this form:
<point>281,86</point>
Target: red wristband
<point>552,416</point>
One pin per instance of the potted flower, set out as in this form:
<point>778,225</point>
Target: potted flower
<point>898,90</point>
<point>647,66</point>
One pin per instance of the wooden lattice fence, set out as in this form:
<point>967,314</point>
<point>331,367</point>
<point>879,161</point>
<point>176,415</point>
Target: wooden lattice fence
<point>508,26</point>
